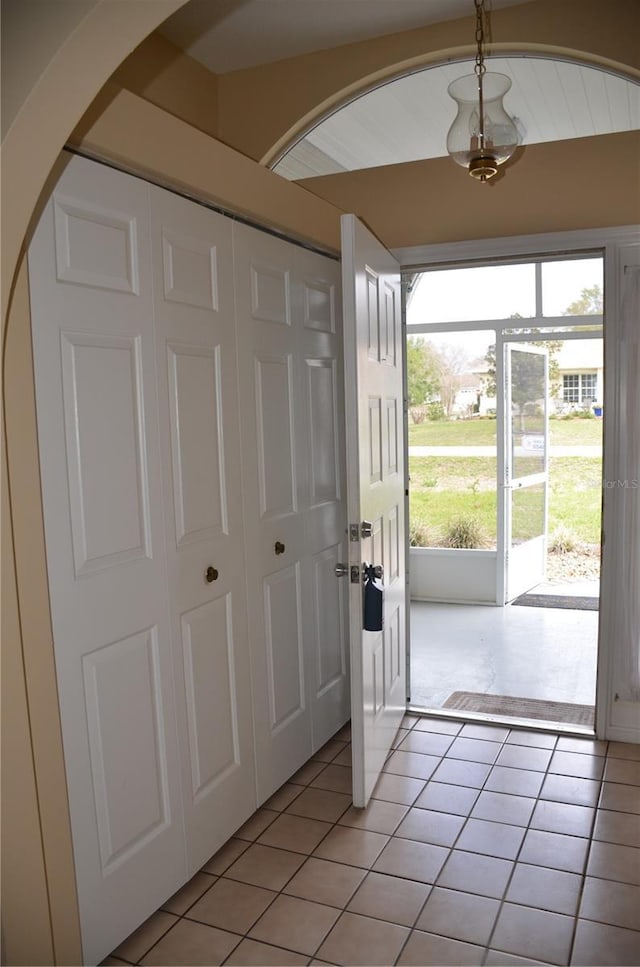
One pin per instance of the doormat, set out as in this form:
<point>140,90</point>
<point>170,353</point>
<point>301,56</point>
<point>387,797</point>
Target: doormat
<point>522,708</point>
<point>572,602</point>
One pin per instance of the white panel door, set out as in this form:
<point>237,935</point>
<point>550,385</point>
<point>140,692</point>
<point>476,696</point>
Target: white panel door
<point>274,472</point>
<point>101,470</point>
<point>376,493</point>
<point>199,428</point>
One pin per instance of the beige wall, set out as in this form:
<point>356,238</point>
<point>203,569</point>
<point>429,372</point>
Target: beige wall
<point>162,74</point>
<point>277,96</point>
<point>555,187</point>
<point>53,89</point>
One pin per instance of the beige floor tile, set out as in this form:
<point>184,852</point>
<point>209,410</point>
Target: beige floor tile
<point>223,859</point>
<point>409,720</point>
<point>379,816</point>
<point>336,778</point>
<point>537,740</point>
<point>307,773</point>
<point>614,903</point>
<point>443,797</point>
<point>497,958</point>
<point>559,817</point>
<point>533,933</point>
<point>624,750</point>
<point>390,898</point>
<point>494,839</point>
<point>264,866</point>
<point>609,861</point>
<point>147,934</point>
<point>344,735</point>
<point>427,743</point>
<point>615,827</point>
<point>580,792</point>
<point>357,847</point>
<point>412,764</point>
<point>357,940</point>
<point>521,757</point>
<point>625,799</point>
<point>601,945</point>
<point>492,733</point>
<point>461,916</point>
<point>475,873</point>
<point>344,758</point>
<point>180,902</point>
<point>252,953</point>
<point>325,882</point>
<point>257,824</point>
<point>626,771</point>
<point>585,746</point>
<point>399,789</point>
<point>231,905</point>
<point>457,772</point>
<point>555,850</point>
<point>329,751</point>
<point>295,924</point>
<point>284,796</point>
<point>415,861</point>
<point>443,726</point>
<point>112,962</point>
<point>554,890</point>
<point>400,736</point>
<point>295,833</point>
<point>575,764</point>
<point>474,750</point>
<point>517,782</point>
<point>320,804</point>
<point>427,950</point>
<point>427,826</point>
<point>191,944</point>
<point>503,808</point>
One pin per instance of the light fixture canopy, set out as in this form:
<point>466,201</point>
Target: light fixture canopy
<point>482,136</point>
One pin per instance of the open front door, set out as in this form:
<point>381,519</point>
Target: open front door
<point>526,460</point>
<point>375,495</point>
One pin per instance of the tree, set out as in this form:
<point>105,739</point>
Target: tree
<point>422,371</point>
<point>589,303</point>
<point>452,363</point>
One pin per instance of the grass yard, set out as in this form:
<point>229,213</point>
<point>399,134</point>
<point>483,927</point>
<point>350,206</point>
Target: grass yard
<point>442,489</point>
<point>470,433</point>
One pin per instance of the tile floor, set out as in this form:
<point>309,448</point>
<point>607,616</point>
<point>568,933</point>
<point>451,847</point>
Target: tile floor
<point>481,845</point>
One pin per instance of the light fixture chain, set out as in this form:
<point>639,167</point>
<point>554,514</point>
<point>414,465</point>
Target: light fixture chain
<point>479,68</point>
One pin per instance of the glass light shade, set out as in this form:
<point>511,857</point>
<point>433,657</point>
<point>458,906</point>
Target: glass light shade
<point>481,152</point>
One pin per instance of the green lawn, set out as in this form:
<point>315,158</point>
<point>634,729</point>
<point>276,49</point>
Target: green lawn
<point>469,433</point>
<point>442,489</point>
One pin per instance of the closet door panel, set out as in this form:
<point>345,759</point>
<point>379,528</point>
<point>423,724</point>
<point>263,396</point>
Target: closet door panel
<point>275,472</point>
<point>199,427</point>
<point>92,317</point>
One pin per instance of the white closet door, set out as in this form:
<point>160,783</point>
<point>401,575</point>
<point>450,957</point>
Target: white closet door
<point>318,305</point>
<point>199,425</point>
<point>97,418</point>
<point>274,473</point>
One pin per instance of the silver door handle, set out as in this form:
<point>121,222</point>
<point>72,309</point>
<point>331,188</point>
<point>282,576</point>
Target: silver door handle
<point>341,570</point>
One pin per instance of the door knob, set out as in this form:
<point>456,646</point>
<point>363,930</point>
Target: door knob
<point>279,547</point>
<point>211,574</point>
<point>341,570</point>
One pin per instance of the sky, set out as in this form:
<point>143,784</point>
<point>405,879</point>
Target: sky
<point>497,292</point>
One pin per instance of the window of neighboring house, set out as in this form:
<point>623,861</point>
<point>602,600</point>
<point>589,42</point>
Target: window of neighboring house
<point>579,387</point>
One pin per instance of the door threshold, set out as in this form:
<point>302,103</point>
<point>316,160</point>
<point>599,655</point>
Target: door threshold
<point>483,718</point>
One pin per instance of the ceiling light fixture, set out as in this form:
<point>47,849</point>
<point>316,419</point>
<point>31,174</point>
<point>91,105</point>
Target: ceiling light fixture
<point>483,136</point>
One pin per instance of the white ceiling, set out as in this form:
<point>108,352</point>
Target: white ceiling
<point>227,35</point>
<point>408,118</point>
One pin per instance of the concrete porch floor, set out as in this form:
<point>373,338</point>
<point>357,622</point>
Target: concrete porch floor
<point>541,653</point>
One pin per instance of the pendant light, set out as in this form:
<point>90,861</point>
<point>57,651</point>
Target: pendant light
<point>483,136</point>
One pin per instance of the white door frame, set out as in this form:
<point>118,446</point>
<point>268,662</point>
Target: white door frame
<point>611,243</point>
